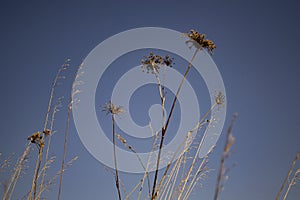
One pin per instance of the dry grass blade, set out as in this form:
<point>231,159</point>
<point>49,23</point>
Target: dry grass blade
<point>57,175</point>
<point>228,144</point>
<point>115,157</point>
<point>49,136</point>
<point>292,182</point>
<point>112,109</point>
<point>122,140</point>
<point>33,191</point>
<point>10,186</point>
<point>165,127</point>
<point>187,138</point>
<point>288,175</point>
<point>70,107</point>
<point>193,163</point>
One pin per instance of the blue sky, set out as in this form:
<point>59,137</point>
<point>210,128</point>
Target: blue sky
<point>257,55</point>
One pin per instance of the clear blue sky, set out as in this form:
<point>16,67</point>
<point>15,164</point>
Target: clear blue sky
<point>257,55</point>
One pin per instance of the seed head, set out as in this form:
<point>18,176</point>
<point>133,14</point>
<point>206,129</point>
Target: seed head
<point>153,63</point>
<point>110,108</point>
<point>198,38</point>
<point>220,98</point>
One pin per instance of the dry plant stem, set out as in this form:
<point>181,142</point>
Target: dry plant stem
<point>70,107</point>
<point>115,156</point>
<point>15,176</point>
<point>48,149</point>
<point>164,128</point>
<point>51,181</point>
<point>183,168</point>
<point>288,175</point>
<point>148,162</point>
<point>167,184</point>
<point>194,180</point>
<point>193,163</point>
<point>224,154</point>
<point>122,140</point>
<point>132,191</point>
<point>65,149</point>
<point>52,93</point>
<point>292,182</point>
<point>179,147</point>
<point>36,173</point>
<point>40,154</point>
<point>171,183</point>
<point>175,169</point>
<point>162,98</point>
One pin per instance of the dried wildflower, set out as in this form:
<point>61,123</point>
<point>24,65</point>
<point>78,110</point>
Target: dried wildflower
<point>154,62</point>
<point>47,132</point>
<point>113,109</point>
<point>230,143</point>
<point>198,38</point>
<point>220,98</point>
<point>35,137</point>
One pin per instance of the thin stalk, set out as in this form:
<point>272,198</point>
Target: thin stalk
<point>288,175</point>
<point>48,149</point>
<point>199,124</point>
<point>122,140</point>
<point>227,146</point>
<point>194,180</point>
<point>51,181</point>
<point>193,163</point>
<point>36,173</point>
<point>164,128</point>
<point>115,157</point>
<point>293,181</point>
<point>148,163</point>
<point>65,150</point>
<point>40,154</point>
<point>15,176</point>
<point>170,184</point>
<point>70,108</point>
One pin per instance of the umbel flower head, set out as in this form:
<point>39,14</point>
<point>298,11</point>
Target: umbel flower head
<point>153,63</point>
<point>110,108</point>
<point>37,138</point>
<point>199,39</point>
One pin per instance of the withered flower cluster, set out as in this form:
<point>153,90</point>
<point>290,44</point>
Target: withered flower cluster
<point>37,138</point>
<point>200,39</point>
<point>111,108</point>
<point>154,62</point>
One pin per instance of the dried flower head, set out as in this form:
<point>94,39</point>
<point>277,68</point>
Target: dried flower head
<point>154,62</point>
<point>220,98</point>
<point>47,132</point>
<point>110,108</point>
<point>35,137</point>
<point>198,38</point>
